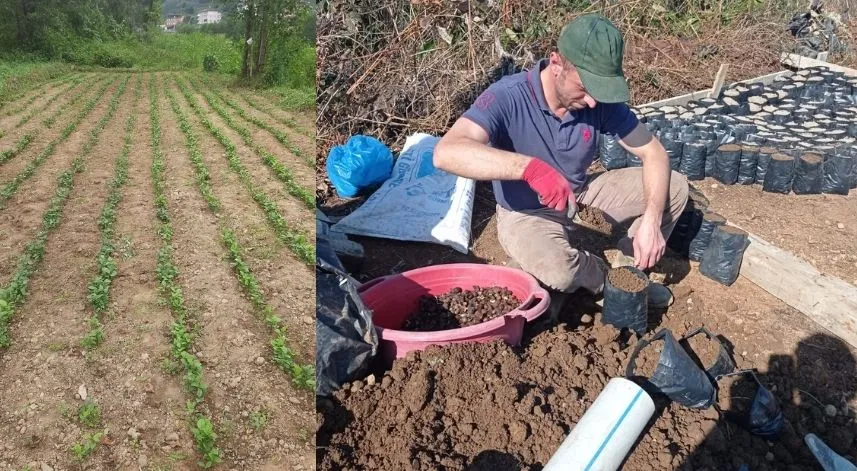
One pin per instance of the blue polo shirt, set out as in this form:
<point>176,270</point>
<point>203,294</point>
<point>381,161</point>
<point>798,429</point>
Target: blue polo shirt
<point>516,116</point>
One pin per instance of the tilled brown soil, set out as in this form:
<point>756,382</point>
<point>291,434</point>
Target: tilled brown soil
<point>492,406</point>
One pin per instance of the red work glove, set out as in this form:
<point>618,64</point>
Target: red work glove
<point>553,189</point>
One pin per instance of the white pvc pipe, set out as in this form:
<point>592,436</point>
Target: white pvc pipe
<point>605,434</point>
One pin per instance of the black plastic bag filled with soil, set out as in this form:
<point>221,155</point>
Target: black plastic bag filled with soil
<point>626,301</point>
<point>693,160</point>
<point>762,162</point>
<point>347,340</point>
<point>721,260</point>
<point>764,417</point>
<point>710,351</point>
<point>781,170</point>
<point>673,145</point>
<point>699,244</point>
<point>634,161</point>
<point>747,165</point>
<point>675,375</point>
<point>613,155</point>
<point>837,170</point>
<point>808,176</point>
<point>685,230</point>
<point>727,163</point>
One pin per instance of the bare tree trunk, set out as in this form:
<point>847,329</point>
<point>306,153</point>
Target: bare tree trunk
<point>263,38</point>
<point>247,59</point>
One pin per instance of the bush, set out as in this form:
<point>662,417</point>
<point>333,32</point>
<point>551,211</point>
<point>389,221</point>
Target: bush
<point>210,63</point>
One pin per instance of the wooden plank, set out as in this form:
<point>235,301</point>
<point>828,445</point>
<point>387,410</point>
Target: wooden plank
<point>766,79</point>
<point>802,62</point>
<point>718,81</point>
<point>827,300</point>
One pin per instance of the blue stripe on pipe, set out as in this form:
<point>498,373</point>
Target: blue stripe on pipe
<point>612,431</point>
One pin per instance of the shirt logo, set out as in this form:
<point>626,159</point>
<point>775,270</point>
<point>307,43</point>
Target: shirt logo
<point>587,135</point>
<point>485,100</point>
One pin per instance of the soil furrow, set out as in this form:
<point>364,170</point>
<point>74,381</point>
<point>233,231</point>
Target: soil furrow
<point>305,120</point>
<point>231,339</point>
<point>45,367</point>
<point>20,219</point>
<point>295,212</point>
<point>297,148</point>
<point>287,282</point>
<point>41,133</point>
<point>10,121</point>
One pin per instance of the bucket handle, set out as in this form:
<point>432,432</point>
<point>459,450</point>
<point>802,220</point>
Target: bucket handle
<point>365,286</point>
<point>536,301</point>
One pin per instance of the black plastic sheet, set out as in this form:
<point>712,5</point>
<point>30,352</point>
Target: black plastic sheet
<point>693,160</point>
<point>677,376</point>
<point>613,155</point>
<point>778,178</point>
<point>747,165</point>
<point>728,159</point>
<point>808,178</point>
<point>837,171</point>
<point>699,244</point>
<point>634,161</point>
<point>625,309</point>
<point>345,335</point>
<point>721,260</point>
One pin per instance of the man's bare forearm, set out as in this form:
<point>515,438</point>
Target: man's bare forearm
<point>656,185</point>
<point>471,159</point>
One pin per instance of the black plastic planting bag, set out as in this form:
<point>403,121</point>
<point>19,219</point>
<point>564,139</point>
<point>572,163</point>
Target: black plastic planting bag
<point>727,163</point>
<point>747,165</point>
<point>808,179</point>
<point>693,160</point>
<point>837,174</point>
<point>710,221</point>
<point>778,178</point>
<point>345,335</point>
<point>634,161</point>
<point>765,417</point>
<point>721,260</point>
<point>673,145</point>
<point>762,162</point>
<point>613,155</point>
<point>722,365</point>
<point>677,375</point>
<point>625,308</point>
<point>685,229</point>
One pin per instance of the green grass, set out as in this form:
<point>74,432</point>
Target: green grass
<point>163,51</point>
<point>19,147</point>
<point>73,82</point>
<point>258,419</point>
<point>17,77</point>
<point>268,109</point>
<point>294,99</point>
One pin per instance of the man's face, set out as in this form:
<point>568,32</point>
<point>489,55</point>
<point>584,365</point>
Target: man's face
<point>569,88</point>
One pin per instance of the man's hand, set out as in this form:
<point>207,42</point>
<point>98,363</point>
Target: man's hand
<point>553,189</point>
<point>649,244</point>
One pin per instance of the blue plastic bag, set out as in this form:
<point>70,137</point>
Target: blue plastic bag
<point>363,162</point>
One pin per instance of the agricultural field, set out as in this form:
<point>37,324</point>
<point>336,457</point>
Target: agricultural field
<point>156,289</point>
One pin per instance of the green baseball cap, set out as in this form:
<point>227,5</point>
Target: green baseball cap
<point>595,47</point>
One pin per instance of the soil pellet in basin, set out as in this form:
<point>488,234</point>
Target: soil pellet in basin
<point>626,280</point>
<point>460,308</point>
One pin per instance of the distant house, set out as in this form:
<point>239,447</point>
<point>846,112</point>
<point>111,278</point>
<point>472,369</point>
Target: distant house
<point>172,21</point>
<point>208,17</point>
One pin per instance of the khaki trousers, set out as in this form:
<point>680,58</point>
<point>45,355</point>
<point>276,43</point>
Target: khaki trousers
<point>542,241</point>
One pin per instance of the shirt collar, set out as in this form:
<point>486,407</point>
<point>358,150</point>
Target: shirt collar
<point>534,80</point>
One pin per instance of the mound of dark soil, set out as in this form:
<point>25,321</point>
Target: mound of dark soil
<point>461,308</point>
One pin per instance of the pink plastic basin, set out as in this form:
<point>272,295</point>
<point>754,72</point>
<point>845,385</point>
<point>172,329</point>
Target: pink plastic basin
<point>392,298</point>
